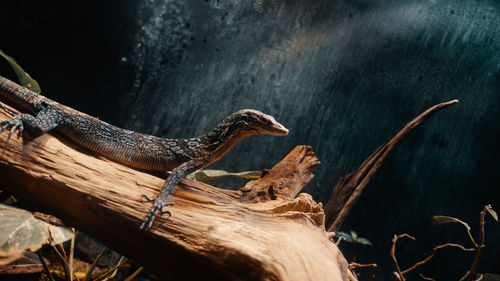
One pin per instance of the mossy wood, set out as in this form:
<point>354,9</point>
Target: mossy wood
<point>264,231</point>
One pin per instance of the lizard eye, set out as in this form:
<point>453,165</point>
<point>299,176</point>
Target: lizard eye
<point>251,119</point>
<point>265,121</point>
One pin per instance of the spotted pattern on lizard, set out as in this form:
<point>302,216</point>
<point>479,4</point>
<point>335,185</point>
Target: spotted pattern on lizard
<point>134,149</point>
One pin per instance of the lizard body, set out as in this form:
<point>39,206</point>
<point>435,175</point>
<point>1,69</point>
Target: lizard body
<point>137,150</point>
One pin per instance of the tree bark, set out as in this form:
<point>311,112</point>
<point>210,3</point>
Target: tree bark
<point>264,231</point>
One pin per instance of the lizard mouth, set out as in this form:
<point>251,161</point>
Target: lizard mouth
<point>277,130</point>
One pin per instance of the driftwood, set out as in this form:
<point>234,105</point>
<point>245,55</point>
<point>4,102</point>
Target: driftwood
<point>349,188</point>
<point>264,231</point>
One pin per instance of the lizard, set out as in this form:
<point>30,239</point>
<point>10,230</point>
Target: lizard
<point>141,151</point>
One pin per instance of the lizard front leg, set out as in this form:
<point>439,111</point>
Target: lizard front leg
<point>161,200</point>
<point>46,119</point>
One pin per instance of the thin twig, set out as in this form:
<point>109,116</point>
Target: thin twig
<point>373,266</point>
<point>434,251</point>
<point>116,267</point>
<point>71,254</point>
<point>63,252</point>
<point>338,241</point>
<point>134,274</point>
<point>110,269</point>
<point>465,276</point>
<point>354,251</point>
<point>89,272</point>
<point>426,278</point>
<point>472,238</point>
<point>475,264</point>
<point>398,274</point>
<point>44,264</point>
<point>64,263</point>
<point>121,261</point>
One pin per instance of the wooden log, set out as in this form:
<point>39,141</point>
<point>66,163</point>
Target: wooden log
<point>260,232</point>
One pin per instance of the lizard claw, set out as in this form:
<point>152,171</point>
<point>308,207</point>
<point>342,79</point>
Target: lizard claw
<point>166,211</point>
<point>14,123</point>
<point>148,199</point>
<point>157,208</point>
<point>6,110</point>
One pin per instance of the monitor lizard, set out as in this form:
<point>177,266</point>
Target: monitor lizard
<point>146,152</point>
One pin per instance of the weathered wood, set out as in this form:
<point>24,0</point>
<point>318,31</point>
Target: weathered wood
<point>349,188</point>
<point>260,232</point>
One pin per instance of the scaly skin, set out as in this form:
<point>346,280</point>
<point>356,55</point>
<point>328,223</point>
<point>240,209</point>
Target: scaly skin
<point>146,152</point>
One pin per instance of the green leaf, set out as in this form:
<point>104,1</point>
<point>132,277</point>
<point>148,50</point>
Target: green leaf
<point>353,238</point>
<point>23,77</point>
<point>208,175</point>
<point>21,231</point>
<point>364,241</point>
<point>354,235</point>
<point>345,236</point>
<point>436,220</point>
<point>490,277</point>
<point>493,214</point>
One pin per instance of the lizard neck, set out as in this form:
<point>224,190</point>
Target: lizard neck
<point>221,139</point>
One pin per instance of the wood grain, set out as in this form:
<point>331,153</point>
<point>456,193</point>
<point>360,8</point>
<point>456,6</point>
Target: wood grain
<point>264,231</point>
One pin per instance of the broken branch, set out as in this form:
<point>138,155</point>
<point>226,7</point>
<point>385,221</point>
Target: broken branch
<point>349,188</point>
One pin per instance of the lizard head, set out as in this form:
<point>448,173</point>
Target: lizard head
<point>256,122</point>
<point>237,126</point>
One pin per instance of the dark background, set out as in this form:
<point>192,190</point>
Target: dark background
<point>343,76</point>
